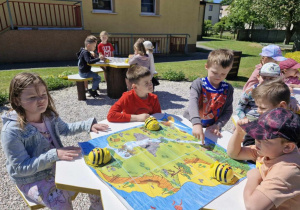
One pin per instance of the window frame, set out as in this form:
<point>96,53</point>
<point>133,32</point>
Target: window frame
<point>104,10</point>
<point>209,17</point>
<point>150,13</point>
<point>210,7</point>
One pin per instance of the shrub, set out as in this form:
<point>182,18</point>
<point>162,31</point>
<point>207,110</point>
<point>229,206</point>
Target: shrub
<point>173,75</point>
<point>55,83</point>
<point>294,55</point>
<point>3,98</point>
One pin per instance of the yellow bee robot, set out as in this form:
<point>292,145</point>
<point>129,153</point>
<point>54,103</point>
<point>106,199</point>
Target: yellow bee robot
<point>222,172</point>
<point>152,124</point>
<point>99,156</point>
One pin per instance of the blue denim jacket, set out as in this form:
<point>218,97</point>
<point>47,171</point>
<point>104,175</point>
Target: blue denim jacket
<point>28,154</point>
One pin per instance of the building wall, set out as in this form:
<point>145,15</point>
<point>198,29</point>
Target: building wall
<point>35,45</point>
<point>174,16</point>
<point>200,21</point>
<point>214,13</point>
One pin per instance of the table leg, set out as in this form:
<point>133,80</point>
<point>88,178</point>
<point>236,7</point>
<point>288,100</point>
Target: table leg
<point>81,91</point>
<point>116,85</point>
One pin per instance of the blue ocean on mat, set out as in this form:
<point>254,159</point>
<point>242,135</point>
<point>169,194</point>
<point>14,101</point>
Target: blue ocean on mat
<point>165,169</point>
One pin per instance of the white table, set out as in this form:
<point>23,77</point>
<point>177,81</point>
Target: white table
<point>77,176</point>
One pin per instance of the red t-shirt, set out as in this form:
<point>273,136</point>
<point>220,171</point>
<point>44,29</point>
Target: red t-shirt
<point>131,103</point>
<point>106,49</point>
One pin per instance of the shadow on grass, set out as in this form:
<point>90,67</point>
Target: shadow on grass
<point>239,78</point>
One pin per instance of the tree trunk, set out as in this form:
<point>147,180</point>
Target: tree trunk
<point>288,34</point>
<point>221,32</point>
<point>296,46</point>
<point>252,29</point>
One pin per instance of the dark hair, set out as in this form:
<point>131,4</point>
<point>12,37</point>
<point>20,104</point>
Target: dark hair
<point>139,46</point>
<point>90,40</point>
<point>136,72</point>
<point>17,85</point>
<point>274,91</point>
<point>223,57</point>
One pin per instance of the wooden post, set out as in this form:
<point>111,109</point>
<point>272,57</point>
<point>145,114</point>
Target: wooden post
<point>235,66</point>
<point>81,91</point>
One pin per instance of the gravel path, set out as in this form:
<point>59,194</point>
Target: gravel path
<point>173,97</point>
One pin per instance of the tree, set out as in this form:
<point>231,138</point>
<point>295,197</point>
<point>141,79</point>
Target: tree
<point>221,26</point>
<point>226,2</point>
<point>284,12</point>
<point>207,27</point>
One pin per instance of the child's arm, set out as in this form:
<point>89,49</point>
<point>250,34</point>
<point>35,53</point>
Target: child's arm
<point>254,199</point>
<point>234,148</point>
<point>241,107</point>
<point>89,59</point>
<point>156,105</point>
<point>116,113</point>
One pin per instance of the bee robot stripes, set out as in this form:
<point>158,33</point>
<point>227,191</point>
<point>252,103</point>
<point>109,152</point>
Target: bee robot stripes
<point>222,172</point>
<point>99,156</point>
<point>152,124</point>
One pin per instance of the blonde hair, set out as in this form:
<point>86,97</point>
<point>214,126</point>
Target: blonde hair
<point>274,91</point>
<point>139,46</point>
<point>136,72</point>
<point>223,57</point>
<point>90,40</point>
<point>17,85</point>
<point>103,33</point>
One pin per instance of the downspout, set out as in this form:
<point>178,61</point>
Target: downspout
<point>10,17</point>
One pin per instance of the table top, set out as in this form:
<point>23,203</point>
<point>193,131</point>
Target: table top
<point>113,62</point>
<point>69,175</point>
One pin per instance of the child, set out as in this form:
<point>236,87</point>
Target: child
<point>85,58</point>
<point>31,140</point>
<point>275,183</point>
<point>246,106</point>
<point>269,95</point>
<point>137,104</point>
<point>105,49</point>
<point>289,68</point>
<point>139,58</point>
<point>149,50</point>
<point>270,53</point>
<point>210,103</point>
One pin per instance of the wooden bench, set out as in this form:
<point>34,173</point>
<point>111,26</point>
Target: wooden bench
<point>80,82</point>
<point>33,205</point>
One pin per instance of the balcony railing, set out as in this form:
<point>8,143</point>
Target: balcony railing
<point>15,14</point>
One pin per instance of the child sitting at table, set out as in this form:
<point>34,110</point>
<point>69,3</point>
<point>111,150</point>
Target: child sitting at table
<point>139,103</point>
<point>270,54</point>
<point>289,68</point>
<point>210,102</point>
<point>275,181</point>
<point>105,49</point>
<point>149,50</point>
<point>246,108</point>
<point>267,96</point>
<point>85,58</point>
<point>31,142</point>
<point>140,58</point>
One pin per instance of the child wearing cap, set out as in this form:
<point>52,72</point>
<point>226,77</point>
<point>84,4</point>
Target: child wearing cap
<point>289,68</point>
<point>247,108</point>
<point>270,53</point>
<point>275,181</point>
<point>149,50</point>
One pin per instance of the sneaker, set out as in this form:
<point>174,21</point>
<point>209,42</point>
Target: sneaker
<point>87,93</point>
<point>93,93</point>
<point>98,90</point>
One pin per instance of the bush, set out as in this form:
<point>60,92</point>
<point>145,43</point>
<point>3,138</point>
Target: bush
<point>55,83</point>
<point>173,75</point>
<point>294,55</point>
<point>3,98</point>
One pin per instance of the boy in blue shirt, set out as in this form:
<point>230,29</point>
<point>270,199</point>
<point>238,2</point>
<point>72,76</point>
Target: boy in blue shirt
<point>210,102</point>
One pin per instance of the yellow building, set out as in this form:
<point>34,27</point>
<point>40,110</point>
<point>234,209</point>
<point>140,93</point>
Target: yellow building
<point>173,25</point>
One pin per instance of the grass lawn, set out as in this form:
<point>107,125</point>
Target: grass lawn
<point>191,69</point>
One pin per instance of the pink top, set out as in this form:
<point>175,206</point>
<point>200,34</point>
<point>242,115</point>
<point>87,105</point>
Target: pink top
<point>253,78</point>
<point>292,80</point>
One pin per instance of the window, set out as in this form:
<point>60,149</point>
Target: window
<point>102,5</point>
<point>210,8</point>
<point>209,17</point>
<point>148,6</point>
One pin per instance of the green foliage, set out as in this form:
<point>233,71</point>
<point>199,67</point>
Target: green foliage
<point>3,98</point>
<point>55,83</point>
<point>207,27</point>
<point>294,55</point>
<point>173,75</point>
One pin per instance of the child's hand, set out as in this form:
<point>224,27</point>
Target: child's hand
<point>198,132</point>
<point>101,57</point>
<point>139,117</point>
<point>241,122</point>
<point>215,129</point>
<point>99,127</point>
<point>68,153</point>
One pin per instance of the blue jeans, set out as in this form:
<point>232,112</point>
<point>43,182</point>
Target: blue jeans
<point>95,76</point>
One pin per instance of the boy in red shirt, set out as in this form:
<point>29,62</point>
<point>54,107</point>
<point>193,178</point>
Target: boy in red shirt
<point>139,103</point>
<point>105,49</point>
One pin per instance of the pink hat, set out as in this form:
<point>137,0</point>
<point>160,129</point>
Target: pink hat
<point>289,64</point>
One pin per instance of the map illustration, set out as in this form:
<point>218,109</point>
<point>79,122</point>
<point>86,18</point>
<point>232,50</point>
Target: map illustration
<point>164,169</point>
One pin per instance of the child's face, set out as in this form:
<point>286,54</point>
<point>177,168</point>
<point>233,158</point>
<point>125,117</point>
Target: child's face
<point>91,47</point>
<point>290,72</point>
<point>265,60</point>
<point>34,100</point>
<point>271,148</point>
<point>104,38</point>
<point>264,105</point>
<point>144,86</point>
<point>216,74</point>
<point>264,78</point>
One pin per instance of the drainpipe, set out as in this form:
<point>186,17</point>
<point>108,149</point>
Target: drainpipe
<point>10,17</point>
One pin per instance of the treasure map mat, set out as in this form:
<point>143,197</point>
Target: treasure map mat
<point>164,169</point>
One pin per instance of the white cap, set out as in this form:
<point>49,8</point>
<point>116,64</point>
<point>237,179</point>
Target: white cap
<point>148,45</point>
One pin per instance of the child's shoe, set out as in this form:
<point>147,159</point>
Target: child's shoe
<point>87,93</point>
<point>93,93</point>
